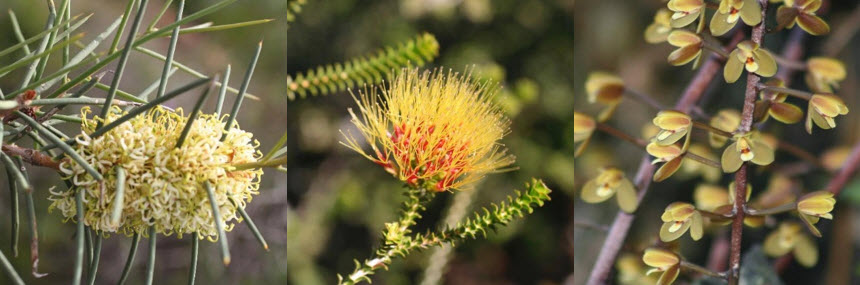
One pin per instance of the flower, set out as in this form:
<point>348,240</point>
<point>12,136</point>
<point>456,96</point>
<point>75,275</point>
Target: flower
<point>689,48</point>
<point>678,218</point>
<point>823,74</point>
<point>658,31</point>
<point>631,270</point>
<point>726,120</point>
<point>670,154</point>
<point>606,89</point>
<point>802,12</point>
<point>833,159</point>
<point>814,206</point>
<point>687,11</point>
<point>710,197</point>
<point>730,11</point>
<point>663,261</point>
<point>583,127</point>
<point>747,55</point>
<point>673,126</point>
<point>822,109</point>
<point>611,181</point>
<point>790,238</point>
<point>436,130</point>
<point>747,147</point>
<point>773,104</point>
<point>778,192</point>
<point>163,184</point>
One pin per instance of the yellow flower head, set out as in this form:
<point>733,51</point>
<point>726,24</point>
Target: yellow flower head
<point>658,30</point>
<point>673,126</point>
<point>663,261</point>
<point>748,55</point>
<point>789,237</point>
<point>687,11</point>
<point>822,109</point>
<point>611,181</point>
<point>607,89</point>
<point>163,184</point>
<point>730,11</point>
<point>747,147</point>
<point>583,127</point>
<point>824,74</point>
<point>802,12</point>
<point>689,48</point>
<point>678,218</point>
<point>434,130</point>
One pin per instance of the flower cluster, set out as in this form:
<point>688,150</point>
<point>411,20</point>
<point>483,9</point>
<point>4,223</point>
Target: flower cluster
<point>163,184</point>
<point>438,131</point>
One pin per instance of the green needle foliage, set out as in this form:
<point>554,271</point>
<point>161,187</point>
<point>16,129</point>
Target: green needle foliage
<point>398,240</point>
<point>363,70</point>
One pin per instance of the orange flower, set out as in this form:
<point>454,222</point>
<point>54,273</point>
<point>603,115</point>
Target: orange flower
<point>434,130</point>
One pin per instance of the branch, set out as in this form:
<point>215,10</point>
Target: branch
<point>837,183</point>
<point>31,156</point>
<point>741,175</point>
<point>618,231</point>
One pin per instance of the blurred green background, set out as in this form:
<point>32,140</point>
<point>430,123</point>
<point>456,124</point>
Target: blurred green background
<point>209,53</point>
<point>610,38</point>
<point>339,201</point>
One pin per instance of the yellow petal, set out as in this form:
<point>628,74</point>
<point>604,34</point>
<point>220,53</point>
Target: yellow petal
<point>812,24</point>
<point>696,226</point>
<point>709,197</point>
<point>589,193</point>
<point>766,64</point>
<point>731,159</point>
<point>665,153</point>
<point>773,245</point>
<point>785,16</point>
<point>667,235</point>
<point>599,81</point>
<point>826,67</point>
<point>763,153</point>
<point>786,113</point>
<point>805,251</point>
<point>734,67</point>
<point>751,12</point>
<point>684,55</point>
<point>668,169</point>
<point>669,276</point>
<point>660,258</point>
<point>720,24</point>
<point>682,38</point>
<point>626,196</point>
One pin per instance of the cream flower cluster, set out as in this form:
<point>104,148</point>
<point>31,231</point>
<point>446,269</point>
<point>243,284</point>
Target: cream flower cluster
<point>164,184</point>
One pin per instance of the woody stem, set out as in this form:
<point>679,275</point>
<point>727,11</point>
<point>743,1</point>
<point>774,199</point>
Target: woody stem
<point>790,148</point>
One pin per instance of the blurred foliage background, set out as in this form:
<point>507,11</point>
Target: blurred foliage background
<point>209,53</point>
<point>610,38</point>
<point>339,201</point>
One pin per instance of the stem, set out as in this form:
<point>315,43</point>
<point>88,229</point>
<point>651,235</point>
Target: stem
<point>799,152</point>
<point>741,175</point>
<point>837,183</point>
<point>621,225</point>
<point>31,156</point>
<point>702,160</point>
<point>699,269</point>
<point>793,92</point>
<point>275,162</point>
<point>718,50</point>
<point>788,63</point>
<point>621,135</point>
<point>772,211</point>
<point>712,129</point>
<point>644,98</point>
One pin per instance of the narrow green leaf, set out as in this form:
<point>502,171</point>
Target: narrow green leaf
<point>200,100</point>
<point>79,235</point>
<point>119,198</point>
<point>144,95</point>
<point>191,71</point>
<point>118,72</point>
<point>251,225</point>
<point>171,49</point>
<point>281,142</point>
<point>24,61</point>
<point>221,94</point>
<point>80,101</point>
<point>150,262</point>
<point>130,260</point>
<point>125,16</point>
<point>195,249</point>
<point>94,265</point>
<point>242,89</point>
<point>216,214</point>
<point>10,270</point>
<point>42,63</point>
<point>223,27</point>
<point>23,42</point>
<point>63,146</point>
<point>164,8</point>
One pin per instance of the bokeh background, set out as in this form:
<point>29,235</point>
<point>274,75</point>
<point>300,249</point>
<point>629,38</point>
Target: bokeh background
<point>609,37</point>
<point>209,53</point>
<point>339,201</point>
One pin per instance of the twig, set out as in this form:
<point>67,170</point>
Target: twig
<point>644,98</point>
<point>620,226</point>
<point>837,183</point>
<point>31,156</point>
<point>741,175</point>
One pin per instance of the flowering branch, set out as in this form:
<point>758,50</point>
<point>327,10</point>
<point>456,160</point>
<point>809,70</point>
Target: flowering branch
<point>741,175</point>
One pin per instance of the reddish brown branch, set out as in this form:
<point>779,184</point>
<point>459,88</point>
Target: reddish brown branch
<point>621,225</point>
<point>31,156</point>
<point>741,175</point>
<point>849,168</point>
